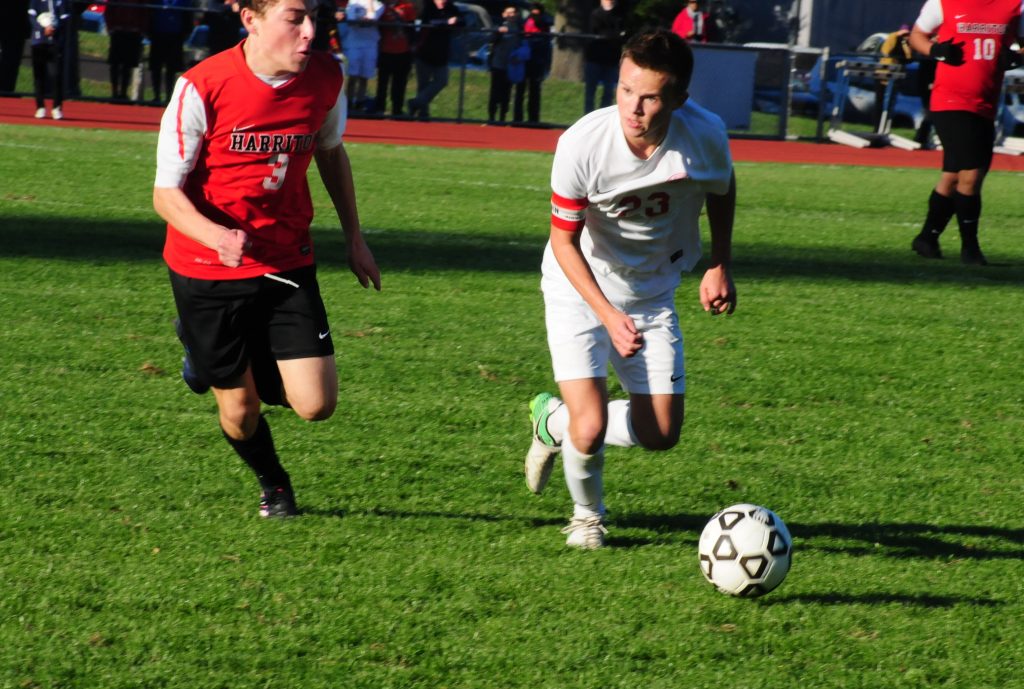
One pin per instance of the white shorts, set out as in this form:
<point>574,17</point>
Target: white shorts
<point>362,61</point>
<point>581,348</point>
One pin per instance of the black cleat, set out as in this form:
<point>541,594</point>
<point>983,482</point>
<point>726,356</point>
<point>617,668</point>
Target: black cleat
<point>278,501</point>
<point>926,247</point>
<point>970,254</point>
<point>188,371</point>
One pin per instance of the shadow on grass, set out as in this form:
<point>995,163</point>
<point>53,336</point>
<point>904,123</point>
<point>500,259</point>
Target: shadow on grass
<point>71,238</point>
<point>411,514</point>
<point>896,540</point>
<point>920,600</point>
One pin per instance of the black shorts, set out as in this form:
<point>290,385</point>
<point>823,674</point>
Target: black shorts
<point>226,324</point>
<point>967,140</point>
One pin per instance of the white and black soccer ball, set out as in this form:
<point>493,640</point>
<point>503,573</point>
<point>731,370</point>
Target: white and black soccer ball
<point>745,550</point>
<point>45,19</point>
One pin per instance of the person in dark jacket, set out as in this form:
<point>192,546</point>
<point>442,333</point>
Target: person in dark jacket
<point>437,21</point>
<point>225,27</point>
<point>537,32</point>
<point>50,21</point>
<point>601,55</point>
<point>169,26</point>
<point>127,22</point>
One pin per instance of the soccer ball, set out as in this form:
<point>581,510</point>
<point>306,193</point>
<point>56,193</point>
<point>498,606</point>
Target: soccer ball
<point>45,20</point>
<point>745,550</point>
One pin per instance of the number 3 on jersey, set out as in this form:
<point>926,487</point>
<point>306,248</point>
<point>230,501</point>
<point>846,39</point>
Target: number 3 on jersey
<point>278,167</point>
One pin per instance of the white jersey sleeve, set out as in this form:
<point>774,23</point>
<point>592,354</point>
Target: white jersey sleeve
<point>930,18</point>
<point>334,126</point>
<point>182,129</point>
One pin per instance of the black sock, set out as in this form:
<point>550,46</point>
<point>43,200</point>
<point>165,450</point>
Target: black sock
<point>968,213</point>
<point>258,452</point>
<point>940,210</point>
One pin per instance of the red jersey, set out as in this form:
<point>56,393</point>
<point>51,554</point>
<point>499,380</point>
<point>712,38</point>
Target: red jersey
<point>986,28</point>
<point>395,39</point>
<point>251,162</point>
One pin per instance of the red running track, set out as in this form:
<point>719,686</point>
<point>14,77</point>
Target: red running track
<point>93,115</point>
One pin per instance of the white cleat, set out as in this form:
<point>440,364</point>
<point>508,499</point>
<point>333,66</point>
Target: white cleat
<point>540,460</point>
<point>586,533</point>
<point>40,113</point>
<point>543,448</point>
<point>57,114</point>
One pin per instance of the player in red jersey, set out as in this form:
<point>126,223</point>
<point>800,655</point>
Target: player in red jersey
<point>972,40</point>
<point>235,143</point>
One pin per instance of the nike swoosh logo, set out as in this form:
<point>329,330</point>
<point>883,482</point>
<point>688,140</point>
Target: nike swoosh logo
<point>323,335</point>
<point>959,16</point>
<point>242,129</point>
<point>675,378</point>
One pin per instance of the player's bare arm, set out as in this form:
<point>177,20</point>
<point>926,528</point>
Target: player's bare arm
<point>336,172</point>
<point>621,328</point>
<point>717,291</point>
<point>173,205</point>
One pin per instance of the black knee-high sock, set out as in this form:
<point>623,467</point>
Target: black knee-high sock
<point>940,210</point>
<point>259,453</point>
<point>968,214</point>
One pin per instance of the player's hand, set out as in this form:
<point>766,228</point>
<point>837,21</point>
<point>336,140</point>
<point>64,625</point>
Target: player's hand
<point>626,339</point>
<point>362,263</point>
<point>949,52</point>
<point>717,291</point>
<point>231,245</point>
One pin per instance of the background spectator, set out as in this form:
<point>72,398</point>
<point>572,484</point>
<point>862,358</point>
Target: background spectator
<point>601,55</point>
<point>224,24</point>
<point>50,20</point>
<point>395,59</point>
<point>691,23</point>
<point>537,32</point>
<point>169,26</point>
<point>126,23</point>
<point>323,20</point>
<point>505,48</point>
<point>361,47</point>
<point>432,47</point>
<point>895,50</point>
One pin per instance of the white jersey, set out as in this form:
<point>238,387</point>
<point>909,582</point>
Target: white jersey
<point>639,218</point>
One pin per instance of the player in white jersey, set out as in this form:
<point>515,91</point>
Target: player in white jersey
<point>628,185</point>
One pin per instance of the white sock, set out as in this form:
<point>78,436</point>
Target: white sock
<point>583,476</point>
<point>558,420</point>
<point>620,425</point>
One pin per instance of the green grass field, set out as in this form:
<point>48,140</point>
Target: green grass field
<point>872,399</point>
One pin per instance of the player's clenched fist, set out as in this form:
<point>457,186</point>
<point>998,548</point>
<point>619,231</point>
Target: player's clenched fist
<point>230,247</point>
